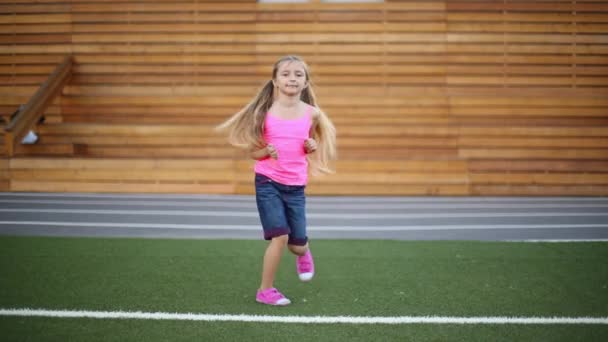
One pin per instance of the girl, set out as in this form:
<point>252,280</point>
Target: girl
<point>286,133</point>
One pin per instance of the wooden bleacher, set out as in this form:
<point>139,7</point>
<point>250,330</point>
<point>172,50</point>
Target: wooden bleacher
<point>429,97</point>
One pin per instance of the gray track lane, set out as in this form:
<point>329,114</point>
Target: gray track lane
<point>214,216</point>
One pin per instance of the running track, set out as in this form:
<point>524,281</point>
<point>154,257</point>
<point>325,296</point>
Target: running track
<point>235,217</point>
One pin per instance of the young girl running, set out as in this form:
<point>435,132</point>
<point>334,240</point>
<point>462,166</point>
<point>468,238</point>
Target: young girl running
<point>288,135</point>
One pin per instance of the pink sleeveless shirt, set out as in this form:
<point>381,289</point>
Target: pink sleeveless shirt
<point>288,137</point>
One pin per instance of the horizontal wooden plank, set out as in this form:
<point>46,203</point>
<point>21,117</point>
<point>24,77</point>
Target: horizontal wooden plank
<point>470,16</point>
<point>538,190</point>
<point>565,80</point>
<point>536,131</point>
<point>122,1</point>
<point>356,37</point>
<point>156,141</point>
<point>121,164</point>
<point>544,111</point>
<point>239,26</point>
<point>156,152</point>
<point>539,178</point>
<point>152,101</point>
<point>464,61</point>
<point>44,18</point>
<point>531,7</point>
<point>42,28</point>
<point>167,17</point>
<point>32,59</point>
<point>169,175</point>
<point>396,16</point>
<point>51,38</point>
<point>136,111</point>
<point>167,59</point>
<point>122,187</point>
<point>37,48</point>
<point>66,149</point>
<point>126,130</point>
<point>385,189</point>
<point>161,7</point>
<point>34,8</point>
<point>501,142</point>
<point>117,90</point>
<point>508,38</point>
<point>151,80</point>
<point>29,69</point>
<point>17,90</point>
<point>404,152</point>
<point>557,153</point>
<point>184,69</point>
<point>531,102</point>
<point>539,92</point>
<point>534,165</point>
<point>144,120</point>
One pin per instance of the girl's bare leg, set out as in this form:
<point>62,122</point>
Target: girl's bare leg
<point>272,259</point>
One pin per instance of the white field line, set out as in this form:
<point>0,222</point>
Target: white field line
<point>312,228</point>
<point>342,216</point>
<point>354,206</point>
<point>25,312</point>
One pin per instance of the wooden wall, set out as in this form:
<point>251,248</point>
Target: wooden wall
<point>429,97</point>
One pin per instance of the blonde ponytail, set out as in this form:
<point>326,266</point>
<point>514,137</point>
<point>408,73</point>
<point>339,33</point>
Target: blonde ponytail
<point>324,133</point>
<point>246,127</point>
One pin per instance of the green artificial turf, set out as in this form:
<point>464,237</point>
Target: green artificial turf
<point>356,277</point>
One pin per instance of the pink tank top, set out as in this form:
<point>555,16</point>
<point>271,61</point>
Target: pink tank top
<point>287,136</point>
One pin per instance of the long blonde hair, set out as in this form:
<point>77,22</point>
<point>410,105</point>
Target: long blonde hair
<point>246,127</point>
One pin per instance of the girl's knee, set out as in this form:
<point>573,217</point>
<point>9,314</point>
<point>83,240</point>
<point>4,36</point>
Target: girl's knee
<point>282,239</point>
<point>298,250</point>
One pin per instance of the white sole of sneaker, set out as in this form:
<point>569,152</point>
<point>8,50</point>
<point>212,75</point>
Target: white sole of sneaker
<point>306,276</point>
<point>281,302</point>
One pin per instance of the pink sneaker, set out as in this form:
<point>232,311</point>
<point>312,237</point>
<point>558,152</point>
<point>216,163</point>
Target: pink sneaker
<point>271,296</point>
<point>305,266</point>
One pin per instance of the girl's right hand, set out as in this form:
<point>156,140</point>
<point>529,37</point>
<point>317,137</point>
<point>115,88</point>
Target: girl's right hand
<point>272,152</point>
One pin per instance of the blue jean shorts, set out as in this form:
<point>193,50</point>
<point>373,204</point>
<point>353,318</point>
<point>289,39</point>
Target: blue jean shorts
<point>282,209</point>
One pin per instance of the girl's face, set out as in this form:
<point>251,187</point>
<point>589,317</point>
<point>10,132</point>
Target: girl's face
<point>291,78</point>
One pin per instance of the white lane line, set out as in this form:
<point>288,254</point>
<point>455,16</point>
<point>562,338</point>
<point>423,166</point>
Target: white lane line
<point>558,240</point>
<point>332,199</point>
<point>342,216</point>
<point>26,312</point>
<point>354,206</point>
<point>312,228</point>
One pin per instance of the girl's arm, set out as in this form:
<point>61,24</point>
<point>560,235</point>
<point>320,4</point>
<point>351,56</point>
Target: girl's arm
<point>263,153</point>
<point>310,145</point>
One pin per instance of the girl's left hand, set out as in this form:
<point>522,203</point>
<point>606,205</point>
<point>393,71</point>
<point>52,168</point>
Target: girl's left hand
<point>311,145</point>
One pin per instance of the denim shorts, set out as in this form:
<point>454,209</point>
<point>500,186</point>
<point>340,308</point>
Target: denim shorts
<point>282,209</point>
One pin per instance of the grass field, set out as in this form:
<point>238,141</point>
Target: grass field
<point>354,278</point>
